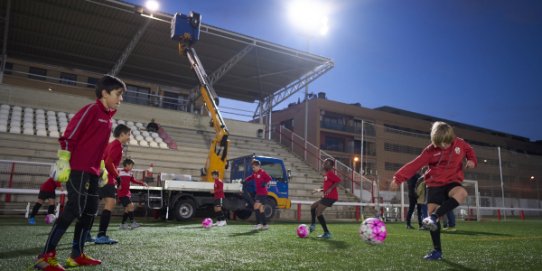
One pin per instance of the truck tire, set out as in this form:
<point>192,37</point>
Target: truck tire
<point>270,207</point>
<point>184,209</point>
<point>243,213</point>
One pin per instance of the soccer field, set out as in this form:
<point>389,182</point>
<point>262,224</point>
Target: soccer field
<point>513,245</point>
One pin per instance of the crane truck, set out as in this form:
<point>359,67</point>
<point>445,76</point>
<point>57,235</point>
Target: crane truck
<point>184,196</point>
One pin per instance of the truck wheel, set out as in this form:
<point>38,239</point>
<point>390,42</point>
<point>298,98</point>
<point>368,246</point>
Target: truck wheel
<point>270,207</point>
<point>184,209</point>
<point>243,213</point>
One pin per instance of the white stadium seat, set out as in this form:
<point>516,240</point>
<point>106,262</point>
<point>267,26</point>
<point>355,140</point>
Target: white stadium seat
<point>135,132</point>
<point>3,127</point>
<point>159,140</point>
<point>129,123</point>
<point>28,131</point>
<point>153,145</point>
<point>163,145</point>
<point>143,143</point>
<point>145,133</point>
<point>134,142</point>
<point>121,122</point>
<point>139,125</point>
<point>54,134</point>
<point>139,138</point>
<point>149,139</point>
<point>154,135</point>
<point>41,132</point>
<point>15,130</point>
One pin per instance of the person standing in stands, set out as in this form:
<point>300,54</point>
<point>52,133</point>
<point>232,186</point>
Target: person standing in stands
<point>152,126</point>
<point>79,159</point>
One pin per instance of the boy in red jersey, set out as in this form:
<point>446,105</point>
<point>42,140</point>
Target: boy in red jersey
<point>218,191</point>
<point>444,156</point>
<point>329,197</point>
<point>261,179</point>
<point>47,193</point>
<point>82,147</point>
<point>112,157</point>
<point>124,194</point>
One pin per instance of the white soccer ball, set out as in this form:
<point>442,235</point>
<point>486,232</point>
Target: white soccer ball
<point>50,219</point>
<point>373,231</point>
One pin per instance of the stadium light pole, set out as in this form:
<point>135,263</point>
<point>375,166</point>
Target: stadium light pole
<point>311,18</point>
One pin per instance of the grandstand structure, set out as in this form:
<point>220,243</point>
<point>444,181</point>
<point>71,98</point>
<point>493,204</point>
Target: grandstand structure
<point>54,51</point>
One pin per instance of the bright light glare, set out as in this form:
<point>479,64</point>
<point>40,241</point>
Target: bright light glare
<point>356,159</point>
<point>152,5</point>
<point>310,16</point>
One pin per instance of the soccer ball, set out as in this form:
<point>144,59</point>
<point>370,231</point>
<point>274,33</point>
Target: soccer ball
<point>50,219</point>
<point>373,231</point>
<point>207,223</point>
<point>302,231</point>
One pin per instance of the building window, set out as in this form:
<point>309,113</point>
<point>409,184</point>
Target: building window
<point>68,78</point>
<point>332,143</point>
<point>137,95</point>
<point>401,148</point>
<point>37,73</point>
<point>169,100</point>
<point>405,131</point>
<point>288,124</point>
<point>392,166</point>
<point>91,82</point>
<point>369,148</point>
<point>8,69</point>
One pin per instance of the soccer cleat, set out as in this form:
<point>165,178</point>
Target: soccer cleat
<point>312,228</point>
<point>433,255</point>
<point>31,221</point>
<point>325,235</point>
<point>125,226</point>
<point>82,260</point>
<point>135,225</point>
<point>258,227</point>
<point>451,229</point>
<point>48,262</point>
<point>89,238</point>
<point>105,240</point>
<point>430,223</point>
<point>409,227</point>
<point>221,223</point>
<point>265,227</point>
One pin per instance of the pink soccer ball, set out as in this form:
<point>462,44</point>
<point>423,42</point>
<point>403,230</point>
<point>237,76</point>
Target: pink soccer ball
<point>373,231</point>
<point>50,219</point>
<point>207,223</point>
<point>302,231</point>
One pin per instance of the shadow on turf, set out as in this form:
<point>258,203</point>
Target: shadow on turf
<point>246,233</point>
<point>456,266</point>
<point>332,243</point>
<point>474,233</point>
<point>30,251</point>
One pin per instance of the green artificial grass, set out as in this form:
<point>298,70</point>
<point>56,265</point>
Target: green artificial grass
<point>159,245</point>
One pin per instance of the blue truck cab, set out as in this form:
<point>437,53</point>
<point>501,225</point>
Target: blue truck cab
<point>241,168</point>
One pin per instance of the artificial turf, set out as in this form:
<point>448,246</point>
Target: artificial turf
<point>159,245</point>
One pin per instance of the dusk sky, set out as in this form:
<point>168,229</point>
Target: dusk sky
<point>474,62</point>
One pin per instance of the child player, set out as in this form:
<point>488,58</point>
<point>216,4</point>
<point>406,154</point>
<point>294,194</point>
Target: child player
<point>329,197</point>
<point>47,193</point>
<point>218,192</point>
<point>261,179</point>
<point>82,147</point>
<point>124,194</point>
<point>112,157</point>
<point>445,157</point>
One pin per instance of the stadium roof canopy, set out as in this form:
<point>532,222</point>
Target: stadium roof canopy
<point>106,35</point>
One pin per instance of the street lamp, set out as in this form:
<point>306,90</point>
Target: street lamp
<point>311,18</point>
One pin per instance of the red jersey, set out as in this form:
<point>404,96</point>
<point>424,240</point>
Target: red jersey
<point>261,179</point>
<point>330,179</point>
<point>445,166</point>
<point>112,157</point>
<point>219,189</point>
<point>126,177</point>
<point>86,137</point>
<point>50,185</point>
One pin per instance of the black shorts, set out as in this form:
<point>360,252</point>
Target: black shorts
<point>327,202</point>
<point>43,195</point>
<point>438,195</point>
<point>125,201</point>
<point>219,202</point>
<point>107,191</point>
<point>260,198</point>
